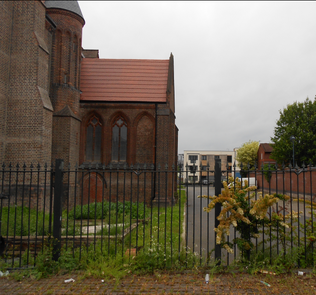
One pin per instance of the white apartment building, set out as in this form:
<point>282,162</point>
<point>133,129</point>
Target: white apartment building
<point>201,164</point>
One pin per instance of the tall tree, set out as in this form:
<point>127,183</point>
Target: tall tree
<point>248,154</point>
<point>297,120</point>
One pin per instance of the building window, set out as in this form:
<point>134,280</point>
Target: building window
<point>192,158</point>
<point>204,158</point>
<point>119,140</point>
<point>217,157</point>
<point>229,159</point>
<point>93,140</point>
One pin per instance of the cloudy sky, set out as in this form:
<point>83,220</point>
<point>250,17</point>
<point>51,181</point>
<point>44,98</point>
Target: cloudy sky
<point>237,64</point>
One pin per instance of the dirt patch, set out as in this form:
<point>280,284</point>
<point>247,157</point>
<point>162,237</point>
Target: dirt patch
<point>165,282</point>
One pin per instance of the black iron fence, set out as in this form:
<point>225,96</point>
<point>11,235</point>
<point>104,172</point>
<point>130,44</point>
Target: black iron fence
<point>122,210</point>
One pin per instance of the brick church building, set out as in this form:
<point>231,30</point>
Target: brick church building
<point>59,101</point>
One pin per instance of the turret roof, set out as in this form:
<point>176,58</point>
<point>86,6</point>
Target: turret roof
<point>72,6</point>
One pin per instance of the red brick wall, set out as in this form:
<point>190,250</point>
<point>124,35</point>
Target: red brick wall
<point>264,157</point>
<point>6,8</point>
<point>141,120</point>
<point>136,129</point>
<point>290,181</point>
<point>64,90</point>
<point>24,61</point>
<point>145,140</point>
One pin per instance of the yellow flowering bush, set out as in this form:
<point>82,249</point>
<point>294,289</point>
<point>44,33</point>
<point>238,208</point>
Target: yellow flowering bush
<point>244,210</point>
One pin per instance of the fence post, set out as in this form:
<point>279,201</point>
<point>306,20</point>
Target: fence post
<point>58,191</point>
<point>218,190</point>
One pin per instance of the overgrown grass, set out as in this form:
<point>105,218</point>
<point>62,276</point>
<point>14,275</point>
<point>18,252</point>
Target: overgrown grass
<point>22,221</point>
<point>157,240</point>
<point>103,210</point>
<point>158,243</point>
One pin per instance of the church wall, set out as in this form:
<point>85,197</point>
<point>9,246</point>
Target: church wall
<point>141,120</point>
<point>64,88</point>
<point>66,139</point>
<point>136,115</point>
<point>6,8</point>
<point>28,71</point>
<point>145,140</point>
<point>66,59</point>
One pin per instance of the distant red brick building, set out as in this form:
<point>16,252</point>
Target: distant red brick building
<point>58,101</point>
<point>264,154</point>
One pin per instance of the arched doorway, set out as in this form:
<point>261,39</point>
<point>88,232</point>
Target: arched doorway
<point>94,186</point>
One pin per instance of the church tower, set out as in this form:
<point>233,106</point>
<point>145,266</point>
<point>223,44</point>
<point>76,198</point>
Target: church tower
<point>25,106</point>
<point>65,77</point>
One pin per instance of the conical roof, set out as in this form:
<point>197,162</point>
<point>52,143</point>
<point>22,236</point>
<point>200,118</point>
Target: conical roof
<point>72,6</point>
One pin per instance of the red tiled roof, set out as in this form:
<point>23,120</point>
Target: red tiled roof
<point>128,80</point>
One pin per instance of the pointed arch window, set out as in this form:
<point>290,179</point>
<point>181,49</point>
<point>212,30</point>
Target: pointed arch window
<point>94,140</point>
<point>119,140</point>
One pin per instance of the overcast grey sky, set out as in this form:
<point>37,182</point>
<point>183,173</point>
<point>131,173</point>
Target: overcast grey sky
<point>236,63</point>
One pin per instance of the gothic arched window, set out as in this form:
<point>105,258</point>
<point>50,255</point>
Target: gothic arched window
<point>119,140</point>
<point>93,140</point>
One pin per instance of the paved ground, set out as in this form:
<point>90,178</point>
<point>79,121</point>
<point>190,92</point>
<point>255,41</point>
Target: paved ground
<point>170,283</point>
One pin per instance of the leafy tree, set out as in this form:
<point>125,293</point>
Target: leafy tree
<point>248,154</point>
<point>298,120</point>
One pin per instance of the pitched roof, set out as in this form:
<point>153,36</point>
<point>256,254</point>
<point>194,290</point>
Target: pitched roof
<point>267,147</point>
<point>124,80</point>
<point>72,6</point>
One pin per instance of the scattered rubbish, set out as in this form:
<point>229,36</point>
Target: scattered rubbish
<point>207,278</point>
<point>268,272</point>
<point>301,273</point>
<point>4,274</point>
<point>265,283</point>
<point>69,281</point>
